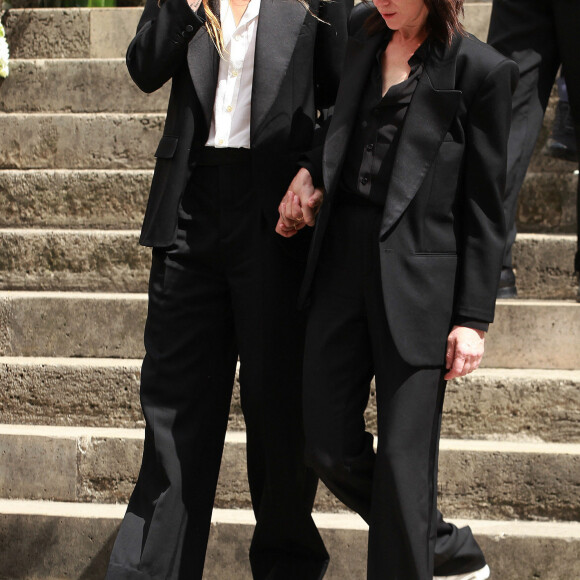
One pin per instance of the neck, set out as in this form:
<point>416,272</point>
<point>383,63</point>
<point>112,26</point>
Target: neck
<point>411,36</point>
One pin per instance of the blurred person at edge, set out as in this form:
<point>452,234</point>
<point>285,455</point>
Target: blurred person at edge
<point>404,265</point>
<point>539,35</point>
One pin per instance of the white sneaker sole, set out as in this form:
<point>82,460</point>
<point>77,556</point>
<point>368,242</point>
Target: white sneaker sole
<point>482,574</point>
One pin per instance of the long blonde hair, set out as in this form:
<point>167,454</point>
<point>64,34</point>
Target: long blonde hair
<point>214,27</point>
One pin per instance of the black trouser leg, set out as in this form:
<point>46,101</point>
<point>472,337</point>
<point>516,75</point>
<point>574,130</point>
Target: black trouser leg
<point>524,31</point>
<point>186,387</point>
<point>347,341</point>
<point>286,544</point>
<point>219,288</point>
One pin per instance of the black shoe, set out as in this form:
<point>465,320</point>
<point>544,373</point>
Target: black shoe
<point>562,141</point>
<point>507,284</point>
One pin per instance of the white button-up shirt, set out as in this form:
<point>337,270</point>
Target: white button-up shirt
<point>230,125</point>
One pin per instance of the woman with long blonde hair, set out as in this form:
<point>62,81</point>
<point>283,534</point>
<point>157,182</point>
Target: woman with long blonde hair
<point>247,79</point>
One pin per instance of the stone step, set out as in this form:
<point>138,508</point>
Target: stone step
<point>106,33</point>
<point>547,203</point>
<point>112,261</point>
<point>526,334</point>
<point>116,199</point>
<point>544,265</point>
<point>118,140</point>
<point>70,32</point>
<point>79,140</point>
<point>525,404</point>
<point>86,260</point>
<point>76,540</point>
<point>76,86</point>
<point>74,199</point>
<point>481,479</point>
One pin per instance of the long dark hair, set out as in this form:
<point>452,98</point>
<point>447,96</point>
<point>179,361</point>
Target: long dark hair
<point>442,21</point>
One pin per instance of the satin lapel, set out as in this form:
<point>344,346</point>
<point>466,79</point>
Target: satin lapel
<point>358,62</point>
<point>278,28</point>
<point>428,119</point>
<point>201,51</point>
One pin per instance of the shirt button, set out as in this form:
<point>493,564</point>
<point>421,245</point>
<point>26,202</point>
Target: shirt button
<point>364,180</point>
<point>235,72</point>
<point>237,37</point>
<point>370,146</point>
<point>221,142</point>
<point>229,108</point>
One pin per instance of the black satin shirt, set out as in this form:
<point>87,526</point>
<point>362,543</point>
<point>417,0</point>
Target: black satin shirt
<point>373,142</point>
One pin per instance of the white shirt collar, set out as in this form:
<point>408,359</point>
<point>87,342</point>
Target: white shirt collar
<point>227,18</point>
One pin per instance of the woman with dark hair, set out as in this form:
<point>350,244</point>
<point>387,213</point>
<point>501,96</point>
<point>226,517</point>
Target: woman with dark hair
<point>404,263</point>
<point>247,78</point>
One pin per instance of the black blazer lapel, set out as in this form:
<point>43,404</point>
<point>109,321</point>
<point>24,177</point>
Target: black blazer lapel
<point>203,61</point>
<point>278,28</point>
<point>358,62</point>
<point>428,119</point>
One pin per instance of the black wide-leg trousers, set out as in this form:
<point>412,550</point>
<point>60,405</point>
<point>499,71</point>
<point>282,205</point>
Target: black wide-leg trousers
<point>348,340</point>
<point>539,35</point>
<point>227,287</point>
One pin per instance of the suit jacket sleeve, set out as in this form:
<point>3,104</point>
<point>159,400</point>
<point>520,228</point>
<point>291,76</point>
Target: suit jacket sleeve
<point>329,52</point>
<point>160,45</point>
<point>482,220</point>
<point>329,57</point>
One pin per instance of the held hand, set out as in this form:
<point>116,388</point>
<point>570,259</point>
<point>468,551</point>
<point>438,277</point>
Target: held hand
<point>464,351</point>
<point>300,205</point>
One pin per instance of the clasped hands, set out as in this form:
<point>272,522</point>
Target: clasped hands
<point>300,206</point>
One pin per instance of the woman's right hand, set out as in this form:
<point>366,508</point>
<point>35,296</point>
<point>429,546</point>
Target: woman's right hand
<point>300,205</point>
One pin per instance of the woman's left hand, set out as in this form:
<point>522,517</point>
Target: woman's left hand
<point>464,351</point>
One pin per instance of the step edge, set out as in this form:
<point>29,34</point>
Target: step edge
<point>344,521</point>
<point>239,438</point>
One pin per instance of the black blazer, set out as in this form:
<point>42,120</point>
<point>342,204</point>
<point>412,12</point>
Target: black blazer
<point>442,234</point>
<point>296,72</point>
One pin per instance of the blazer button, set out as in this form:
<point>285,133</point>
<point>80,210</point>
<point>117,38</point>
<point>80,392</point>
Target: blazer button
<point>189,28</point>
<point>364,180</point>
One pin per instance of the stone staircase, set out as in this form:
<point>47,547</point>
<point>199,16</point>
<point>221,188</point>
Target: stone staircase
<point>76,156</point>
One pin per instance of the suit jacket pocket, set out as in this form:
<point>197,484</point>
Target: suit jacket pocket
<point>418,292</point>
<point>167,147</point>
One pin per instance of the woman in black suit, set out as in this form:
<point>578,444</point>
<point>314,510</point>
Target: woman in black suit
<point>222,282</point>
<point>404,264</point>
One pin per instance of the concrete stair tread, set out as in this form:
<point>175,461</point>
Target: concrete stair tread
<point>56,541</point>
<point>79,140</point>
<point>239,438</point>
<point>489,479</point>
<point>76,85</point>
<point>105,259</point>
<point>344,521</point>
<point>75,542</point>
<point>116,198</point>
<point>66,198</point>
<point>525,334</point>
<point>493,404</point>
<point>517,303</point>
